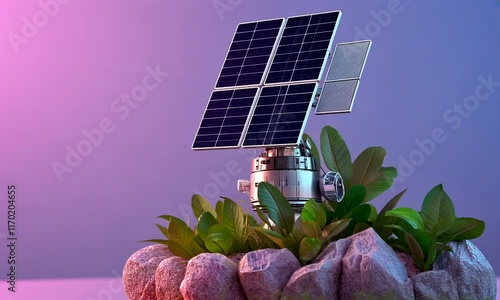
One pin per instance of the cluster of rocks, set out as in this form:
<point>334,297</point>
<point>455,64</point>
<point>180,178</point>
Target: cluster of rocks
<point>362,266</point>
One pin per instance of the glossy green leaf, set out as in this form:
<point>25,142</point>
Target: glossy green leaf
<point>354,197</point>
<point>364,213</point>
<point>219,208</point>
<point>332,230</point>
<point>409,215</point>
<point>366,167</point>
<point>181,233</point>
<point>335,153</point>
<point>309,249</point>
<point>437,207</point>
<point>392,203</point>
<point>314,150</point>
<point>465,229</point>
<point>233,219</point>
<point>179,250</point>
<point>313,211</point>
<point>277,207</point>
<point>263,217</point>
<point>206,221</point>
<point>201,205</point>
<point>415,250</point>
<point>308,228</point>
<point>273,236</point>
<point>219,239</point>
<point>381,183</point>
<point>163,230</point>
<point>360,227</point>
<point>424,239</point>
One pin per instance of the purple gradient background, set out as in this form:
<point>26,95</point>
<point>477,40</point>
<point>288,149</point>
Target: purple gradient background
<point>64,80</point>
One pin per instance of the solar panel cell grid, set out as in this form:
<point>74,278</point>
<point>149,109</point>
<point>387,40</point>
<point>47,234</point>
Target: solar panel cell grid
<point>303,48</point>
<point>249,54</point>
<point>280,115</point>
<point>225,118</point>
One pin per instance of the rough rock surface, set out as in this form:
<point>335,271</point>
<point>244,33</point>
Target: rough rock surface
<point>264,273</point>
<point>407,260</point>
<point>472,273</point>
<point>335,249</point>
<point>432,285</point>
<point>149,292</point>
<point>371,268</point>
<point>211,276</point>
<point>319,279</point>
<point>139,271</point>
<point>168,278</point>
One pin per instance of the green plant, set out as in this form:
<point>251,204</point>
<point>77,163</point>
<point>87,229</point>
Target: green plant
<point>426,233</point>
<point>228,230</point>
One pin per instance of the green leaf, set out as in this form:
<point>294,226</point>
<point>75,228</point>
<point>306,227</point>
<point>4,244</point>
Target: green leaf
<point>433,251</point>
<point>464,229</point>
<point>437,207</point>
<point>335,153</point>
<point>308,228</point>
<point>364,212</point>
<point>219,239</point>
<point>181,233</point>
<point>275,237</point>
<point>163,230</point>
<point>313,211</point>
<point>309,249</point>
<point>277,207</point>
<point>335,229</point>
<point>178,249</point>
<point>201,205</point>
<point>360,227</point>
<point>381,183</point>
<point>367,165</point>
<point>263,217</point>
<point>206,221</point>
<point>392,203</point>
<point>415,250</point>
<point>219,208</point>
<point>409,215</point>
<point>354,197</point>
<point>424,239</point>
<point>367,170</point>
<point>314,150</point>
<point>233,219</point>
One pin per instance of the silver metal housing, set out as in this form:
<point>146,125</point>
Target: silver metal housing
<point>292,170</point>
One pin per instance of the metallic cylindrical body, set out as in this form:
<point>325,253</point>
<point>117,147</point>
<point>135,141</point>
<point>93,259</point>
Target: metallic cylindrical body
<point>292,170</point>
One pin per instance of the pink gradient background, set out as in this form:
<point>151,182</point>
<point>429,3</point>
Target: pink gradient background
<point>64,80</point>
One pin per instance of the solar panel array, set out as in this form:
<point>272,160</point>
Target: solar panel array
<point>268,82</point>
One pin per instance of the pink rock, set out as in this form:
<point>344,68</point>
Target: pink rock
<point>211,276</point>
<point>264,273</point>
<point>168,278</point>
<point>371,268</point>
<point>139,271</point>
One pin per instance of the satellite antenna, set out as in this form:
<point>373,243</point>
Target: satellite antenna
<point>267,86</point>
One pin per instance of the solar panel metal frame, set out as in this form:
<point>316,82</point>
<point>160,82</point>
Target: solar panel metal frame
<point>247,122</point>
<point>358,78</point>
<point>329,50</point>
<point>269,62</point>
<point>313,96</point>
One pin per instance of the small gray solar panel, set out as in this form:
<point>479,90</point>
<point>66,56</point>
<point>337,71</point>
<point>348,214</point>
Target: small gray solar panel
<point>279,115</point>
<point>342,81</point>
<point>250,53</point>
<point>303,48</point>
<point>225,119</point>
